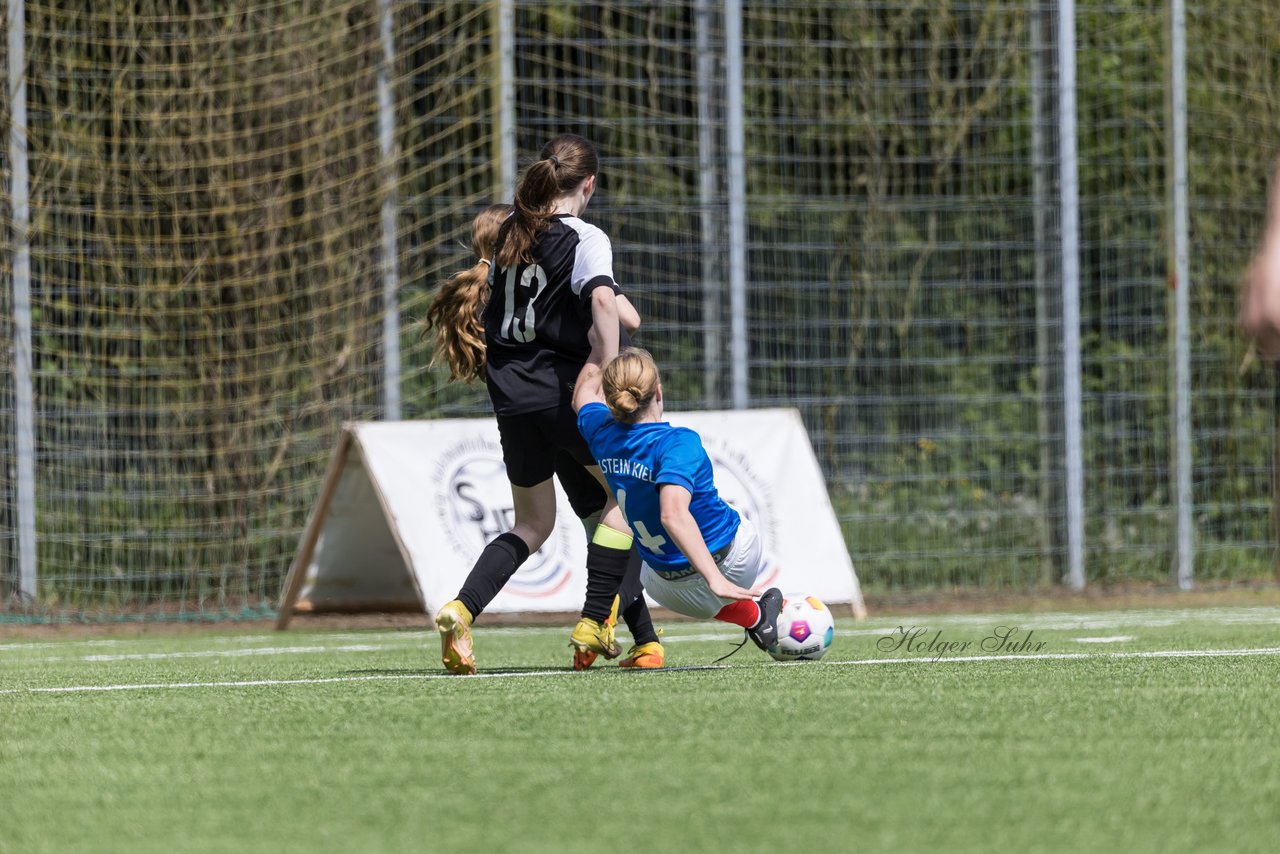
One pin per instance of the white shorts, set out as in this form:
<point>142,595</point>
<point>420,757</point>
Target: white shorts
<point>690,595</point>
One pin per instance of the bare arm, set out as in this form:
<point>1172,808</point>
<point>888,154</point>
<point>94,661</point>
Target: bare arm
<point>673,503</point>
<point>588,388</point>
<point>1260,303</point>
<point>628,315</point>
<point>604,316</point>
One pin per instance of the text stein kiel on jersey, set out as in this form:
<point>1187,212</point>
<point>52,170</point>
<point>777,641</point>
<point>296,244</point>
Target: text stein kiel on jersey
<point>626,468</point>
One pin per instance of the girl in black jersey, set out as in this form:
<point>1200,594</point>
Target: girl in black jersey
<point>550,281</point>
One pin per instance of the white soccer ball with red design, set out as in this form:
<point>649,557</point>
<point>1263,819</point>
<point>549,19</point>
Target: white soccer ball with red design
<point>805,630</point>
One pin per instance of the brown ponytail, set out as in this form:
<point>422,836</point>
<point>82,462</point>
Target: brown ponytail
<point>630,382</point>
<point>455,311</point>
<point>565,162</point>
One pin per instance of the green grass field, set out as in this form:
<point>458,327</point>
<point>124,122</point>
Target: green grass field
<point>1098,737</point>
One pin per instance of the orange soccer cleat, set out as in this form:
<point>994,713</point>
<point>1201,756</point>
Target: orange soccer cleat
<point>646,656</point>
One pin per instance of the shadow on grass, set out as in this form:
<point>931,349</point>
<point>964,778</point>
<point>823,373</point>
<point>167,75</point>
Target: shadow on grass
<point>515,671</point>
<point>437,671</point>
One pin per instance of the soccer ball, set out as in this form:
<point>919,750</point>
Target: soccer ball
<point>805,630</point>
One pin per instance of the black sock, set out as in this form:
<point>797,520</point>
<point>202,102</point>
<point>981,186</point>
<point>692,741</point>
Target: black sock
<point>635,611</point>
<point>496,564</point>
<point>606,569</point>
<point>640,622</point>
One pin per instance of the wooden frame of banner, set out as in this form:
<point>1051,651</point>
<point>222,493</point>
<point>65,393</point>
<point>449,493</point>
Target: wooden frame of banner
<point>297,574</point>
<point>311,534</point>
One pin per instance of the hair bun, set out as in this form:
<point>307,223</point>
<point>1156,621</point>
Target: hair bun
<point>626,400</point>
<point>630,383</point>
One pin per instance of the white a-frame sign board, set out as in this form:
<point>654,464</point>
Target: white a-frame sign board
<point>406,507</point>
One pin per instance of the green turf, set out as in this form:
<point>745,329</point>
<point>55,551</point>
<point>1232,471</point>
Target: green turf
<point>1102,753</point>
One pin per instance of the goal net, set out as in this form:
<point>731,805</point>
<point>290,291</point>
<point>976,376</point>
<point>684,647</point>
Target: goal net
<point>210,262</point>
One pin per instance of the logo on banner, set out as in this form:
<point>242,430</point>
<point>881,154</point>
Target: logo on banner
<point>740,487</point>
<point>474,505</point>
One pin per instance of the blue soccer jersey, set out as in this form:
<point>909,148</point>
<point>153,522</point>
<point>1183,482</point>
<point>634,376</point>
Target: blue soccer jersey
<point>638,458</point>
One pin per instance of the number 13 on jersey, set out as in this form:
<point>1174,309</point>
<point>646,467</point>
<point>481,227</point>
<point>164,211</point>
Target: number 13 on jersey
<point>518,320</point>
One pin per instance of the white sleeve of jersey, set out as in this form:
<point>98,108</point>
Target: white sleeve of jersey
<point>593,259</point>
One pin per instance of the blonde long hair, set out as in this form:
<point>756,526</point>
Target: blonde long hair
<point>564,163</point>
<point>630,383</point>
<point>455,312</point>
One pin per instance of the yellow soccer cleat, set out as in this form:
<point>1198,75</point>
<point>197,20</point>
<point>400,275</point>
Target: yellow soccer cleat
<point>454,624</point>
<point>646,656</point>
<point>590,639</point>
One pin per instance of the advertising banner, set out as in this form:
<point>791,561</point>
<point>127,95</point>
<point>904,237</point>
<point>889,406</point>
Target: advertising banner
<point>407,506</point>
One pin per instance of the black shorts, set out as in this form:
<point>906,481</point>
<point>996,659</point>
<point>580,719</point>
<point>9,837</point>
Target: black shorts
<point>531,442</point>
<point>586,495</point>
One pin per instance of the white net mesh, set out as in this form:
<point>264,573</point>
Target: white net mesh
<point>206,192</point>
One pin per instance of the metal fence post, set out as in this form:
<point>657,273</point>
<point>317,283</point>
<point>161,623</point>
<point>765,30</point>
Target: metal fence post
<point>708,173</point>
<point>390,265</point>
<point>1183,568</point>
<point>24,398</point>
<point>735,146</point>
<point>506,98</point>
<point>1070,221</point>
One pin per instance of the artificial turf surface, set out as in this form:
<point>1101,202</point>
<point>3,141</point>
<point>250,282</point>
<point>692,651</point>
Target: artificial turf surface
<point>363,748</point>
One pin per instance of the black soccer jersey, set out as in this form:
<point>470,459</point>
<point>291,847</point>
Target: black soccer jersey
<point>538,315</point>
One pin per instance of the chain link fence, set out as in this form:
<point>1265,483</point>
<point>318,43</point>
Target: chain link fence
<point>207,264</point>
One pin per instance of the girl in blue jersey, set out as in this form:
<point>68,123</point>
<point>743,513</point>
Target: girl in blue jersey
<point>519,319</point>
<point>700,556</point>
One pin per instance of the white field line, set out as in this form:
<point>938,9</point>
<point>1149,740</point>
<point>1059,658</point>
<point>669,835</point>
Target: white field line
<point>1149,618</point>
<point>1110,639</point>
<point>421,643</point>
<point>881,625</point>
<point>391,638</point>
<point>231,653</point>
<point>22,646</point>
<point>422,677</point>
<point>208,653</point>
<point>94,642</point>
